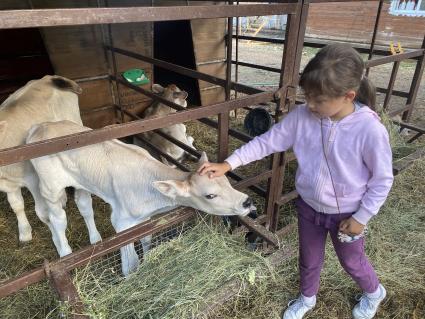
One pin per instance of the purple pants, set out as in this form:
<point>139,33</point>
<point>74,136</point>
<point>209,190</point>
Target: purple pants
<point>313,228</point>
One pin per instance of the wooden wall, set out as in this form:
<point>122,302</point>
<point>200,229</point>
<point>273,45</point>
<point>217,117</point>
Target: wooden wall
<point>354,22</point>
<point>209,49</point>
<point>78,52</point>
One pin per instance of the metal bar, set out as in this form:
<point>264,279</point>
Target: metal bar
<point>395,92</point>
<point>410,127</point>
<point>115,70</point>
<point>256,66</point>
<point>394,58</point>
<point>13,285</point>
<point>28,151</point>
<point>185,71</point>
<point>287,197</point>
<point>288,81</point>
<point>92,78</point>
<point>93,252</point>
<point>97,109</point>
<point>62,283</point>
<point>88,254</point>
<point>414,138</point>
<point>405,162</point>
<point>10,19</point>
<point>260,230</point>
<point>316,43</point>
<point>236,36</point>
<point>375,31</point>
<point>235,133</point>
<point>285,230</point>
<point>400,110</point>
<point>391,84</point>
<point>105,39</point>
<point>416,81</point>
<point>321,1</point>
<point>253,180</point>
<point>161,153</point>
<point>223,118</point>
<point>256,189</point>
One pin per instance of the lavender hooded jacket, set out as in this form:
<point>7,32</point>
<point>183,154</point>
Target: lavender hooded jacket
<point>358,152</point>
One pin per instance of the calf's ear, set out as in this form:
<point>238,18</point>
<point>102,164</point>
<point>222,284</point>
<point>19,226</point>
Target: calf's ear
<point>203,158</point>
<point>157,88</point>
<point>172,188</point>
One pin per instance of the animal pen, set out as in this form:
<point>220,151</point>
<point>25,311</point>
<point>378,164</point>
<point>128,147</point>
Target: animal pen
<point>215,84</point>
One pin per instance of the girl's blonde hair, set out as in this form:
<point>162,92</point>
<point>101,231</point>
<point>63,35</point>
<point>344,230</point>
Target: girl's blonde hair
<point>336,69</point>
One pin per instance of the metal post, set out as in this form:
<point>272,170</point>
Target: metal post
<point>375,31</point>
<point>414,87</point>
<point>287,81</point>
<point>223,118</point>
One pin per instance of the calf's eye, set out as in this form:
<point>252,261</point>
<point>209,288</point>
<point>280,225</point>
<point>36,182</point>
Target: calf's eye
<point>210,196</point>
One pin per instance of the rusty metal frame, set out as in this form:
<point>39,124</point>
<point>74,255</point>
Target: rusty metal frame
<point>297,11</point>
<point>58,271</point>
<point>418,55</point>
<point>11,19</point>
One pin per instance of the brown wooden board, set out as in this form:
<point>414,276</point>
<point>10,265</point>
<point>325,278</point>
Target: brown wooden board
<point>354,22</point>
<point>210,52</point>
<point>78,52</point>
<point>99,119</point>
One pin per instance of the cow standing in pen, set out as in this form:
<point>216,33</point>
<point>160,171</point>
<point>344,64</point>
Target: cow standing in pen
<point>136,185</point>
<point>52,98</point>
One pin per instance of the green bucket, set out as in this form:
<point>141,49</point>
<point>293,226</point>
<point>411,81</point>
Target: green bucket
<point>136,76</point>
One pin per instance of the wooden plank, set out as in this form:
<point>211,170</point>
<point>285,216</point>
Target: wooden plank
<point>217,69</point>
<point>99,119</point>
<point>62,283</point>
<point>354,22</point>
<point>405,162</point>
<point>209,47</point>
<point>209,39</point>
<point>212,95</point>
<point>95,93</point>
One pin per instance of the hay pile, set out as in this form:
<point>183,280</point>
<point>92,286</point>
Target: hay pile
<point>177,277</point>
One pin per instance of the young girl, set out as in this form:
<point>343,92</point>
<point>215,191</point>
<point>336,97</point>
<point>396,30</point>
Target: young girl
<point>344,171</point>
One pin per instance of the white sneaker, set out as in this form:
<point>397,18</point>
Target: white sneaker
<point>367,306</point>
<point>297,309</point>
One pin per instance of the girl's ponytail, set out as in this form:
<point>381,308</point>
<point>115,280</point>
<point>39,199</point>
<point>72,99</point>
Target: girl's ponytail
<point>366,94</point>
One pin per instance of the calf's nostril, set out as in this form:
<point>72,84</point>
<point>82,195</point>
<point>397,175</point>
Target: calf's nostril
<point>247,203</point>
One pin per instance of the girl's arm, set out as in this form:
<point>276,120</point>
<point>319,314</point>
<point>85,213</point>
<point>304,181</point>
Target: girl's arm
<point>377,156</point>
<point>278,139</point>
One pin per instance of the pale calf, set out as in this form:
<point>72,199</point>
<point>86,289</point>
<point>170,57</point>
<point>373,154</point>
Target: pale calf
<point>178,131</point>
<point>136,185</point>
<point>52,98</point>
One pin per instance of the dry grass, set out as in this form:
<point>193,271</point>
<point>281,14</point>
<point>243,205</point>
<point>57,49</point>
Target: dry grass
<point>395,247</point>
<point>176,278</point>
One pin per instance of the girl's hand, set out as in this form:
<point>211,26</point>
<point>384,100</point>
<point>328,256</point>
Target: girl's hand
<point>351,227</point>
<point>214,169</point>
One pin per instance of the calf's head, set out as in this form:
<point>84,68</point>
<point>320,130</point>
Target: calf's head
<point>171,93</point>
<point>215,196</point>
